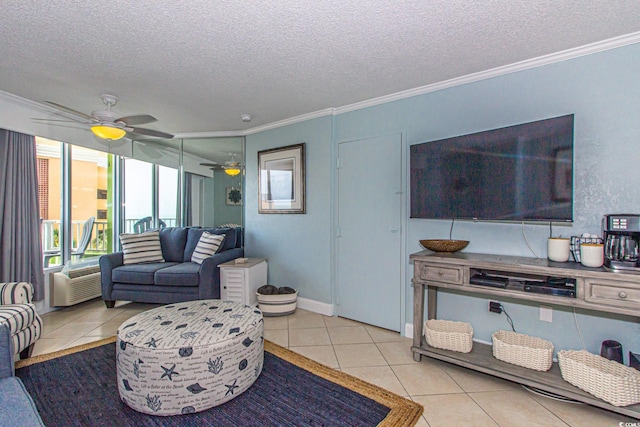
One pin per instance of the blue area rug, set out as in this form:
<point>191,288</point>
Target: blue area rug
<point>77,387</point>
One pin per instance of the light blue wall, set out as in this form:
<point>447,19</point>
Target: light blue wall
<point>297,247</point>
<point>225,214</point>
<point>209,204</point>
<point>602,90</point>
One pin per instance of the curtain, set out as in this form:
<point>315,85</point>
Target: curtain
<point>20,243</point>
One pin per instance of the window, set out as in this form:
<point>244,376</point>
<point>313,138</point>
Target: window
<point>168,195</point>
<point>79,217</point>
<point>138,196</point>
<point>88,174</point>
<point>43,187</point>
<point>49,155</point>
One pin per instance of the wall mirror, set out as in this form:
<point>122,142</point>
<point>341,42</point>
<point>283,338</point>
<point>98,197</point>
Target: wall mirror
<point>199,181</point>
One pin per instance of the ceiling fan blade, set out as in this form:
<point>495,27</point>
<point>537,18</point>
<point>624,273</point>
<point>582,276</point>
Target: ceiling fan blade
<point>151,132</point>
<point>137,120</point>
<point>53,120</point>
<point>71,111</point>
<point>209,164</point>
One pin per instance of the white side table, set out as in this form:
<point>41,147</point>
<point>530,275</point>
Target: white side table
<point>239,282</point>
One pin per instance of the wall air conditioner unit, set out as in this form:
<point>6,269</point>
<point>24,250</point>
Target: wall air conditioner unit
<point>75,286</point>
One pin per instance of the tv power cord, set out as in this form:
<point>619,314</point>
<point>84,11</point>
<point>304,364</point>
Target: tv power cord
<point>496,307</point>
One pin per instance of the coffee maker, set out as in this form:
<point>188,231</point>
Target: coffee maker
<point>621,234</point>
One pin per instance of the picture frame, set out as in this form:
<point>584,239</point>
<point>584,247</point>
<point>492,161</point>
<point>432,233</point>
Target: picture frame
<point>563,175</point>
<point>233,196</point>
<point>281,180</point>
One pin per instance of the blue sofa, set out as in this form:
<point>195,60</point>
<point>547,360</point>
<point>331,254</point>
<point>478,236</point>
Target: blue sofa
<point>175,280</point>
<point>16,406</point>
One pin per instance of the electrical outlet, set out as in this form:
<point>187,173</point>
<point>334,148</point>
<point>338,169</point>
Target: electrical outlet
<point>546,314</point>
<point>495,307</point>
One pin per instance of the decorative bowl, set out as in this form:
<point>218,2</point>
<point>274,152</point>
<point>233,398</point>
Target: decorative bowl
<point>444,245</point>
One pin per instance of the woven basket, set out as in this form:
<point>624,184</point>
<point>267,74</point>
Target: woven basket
<point>449,335</point>
<point>523,350</point>
<point>610,381</point>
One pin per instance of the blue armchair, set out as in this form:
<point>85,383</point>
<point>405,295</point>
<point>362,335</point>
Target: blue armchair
<point>16,406</point>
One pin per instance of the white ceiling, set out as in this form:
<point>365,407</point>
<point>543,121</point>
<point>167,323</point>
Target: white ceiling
<point>197,65</point>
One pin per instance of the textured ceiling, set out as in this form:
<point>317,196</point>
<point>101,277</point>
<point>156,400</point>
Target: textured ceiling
<point>197,65</point>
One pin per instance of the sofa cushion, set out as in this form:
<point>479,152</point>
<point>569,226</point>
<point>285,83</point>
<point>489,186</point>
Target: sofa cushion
<point>141,248</point>
<point>173,241</point>
<point>209,244</point>
<point>183,274</point>
<point>193,237</point>
<point>139,274</point>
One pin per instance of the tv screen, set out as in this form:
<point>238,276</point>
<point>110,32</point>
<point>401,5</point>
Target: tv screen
<point>518,173</point>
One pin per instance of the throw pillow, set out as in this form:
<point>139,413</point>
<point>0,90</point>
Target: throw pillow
<point>208,245</point>
<point>140,248</point>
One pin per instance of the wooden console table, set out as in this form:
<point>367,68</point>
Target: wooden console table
<point>596,289</point>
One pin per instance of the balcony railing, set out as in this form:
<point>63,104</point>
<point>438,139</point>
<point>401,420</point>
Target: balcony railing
<point>97,242</point>
<point>128,223</point>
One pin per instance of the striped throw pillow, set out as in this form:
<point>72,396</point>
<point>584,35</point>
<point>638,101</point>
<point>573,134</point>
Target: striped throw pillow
<point>209,244</point>
<point>143,247</point>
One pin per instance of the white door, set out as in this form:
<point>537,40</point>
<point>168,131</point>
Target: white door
<point>369,235</point>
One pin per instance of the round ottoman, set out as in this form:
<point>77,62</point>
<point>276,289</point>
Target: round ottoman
<point>188,357</point>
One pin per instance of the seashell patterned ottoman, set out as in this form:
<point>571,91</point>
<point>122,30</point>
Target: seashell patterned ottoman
<point>187,357</point>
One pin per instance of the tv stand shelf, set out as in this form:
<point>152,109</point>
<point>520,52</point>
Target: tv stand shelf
<point>596,289</point>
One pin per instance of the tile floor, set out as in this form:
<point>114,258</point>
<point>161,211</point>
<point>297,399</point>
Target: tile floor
<point>452,396</point>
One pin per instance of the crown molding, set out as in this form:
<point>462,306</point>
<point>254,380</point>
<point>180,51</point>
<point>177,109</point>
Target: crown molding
<point>565,55</point>
<point>600,46</point>
<point>281,123</point>
<point>15,99</point>
<point>540,61</point>
<point>292,120</point>
<point>216,134</point>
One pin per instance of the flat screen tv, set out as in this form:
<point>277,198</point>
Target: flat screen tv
<point>517,173</point>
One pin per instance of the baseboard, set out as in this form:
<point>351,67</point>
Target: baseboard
<point>408,330</point>
<point>315,306</point>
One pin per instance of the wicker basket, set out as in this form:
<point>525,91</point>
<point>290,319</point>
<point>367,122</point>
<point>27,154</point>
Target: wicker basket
<point>610,381</point>
<point>523,350</point>
<point>449,335</point>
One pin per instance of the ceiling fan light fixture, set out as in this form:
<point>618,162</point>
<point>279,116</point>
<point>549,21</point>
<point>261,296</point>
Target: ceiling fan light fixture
<point>108,132</point>
<point>232,171</point>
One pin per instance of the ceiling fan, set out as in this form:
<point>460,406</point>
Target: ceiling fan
<point>231,167</point>
<point>107,124</point>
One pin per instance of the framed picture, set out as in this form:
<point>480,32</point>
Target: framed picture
<point>234,196</point>
<point>563,175</point>
<point>281,180</point>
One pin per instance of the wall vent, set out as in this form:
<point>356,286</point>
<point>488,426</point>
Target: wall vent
<point>80,285</point>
